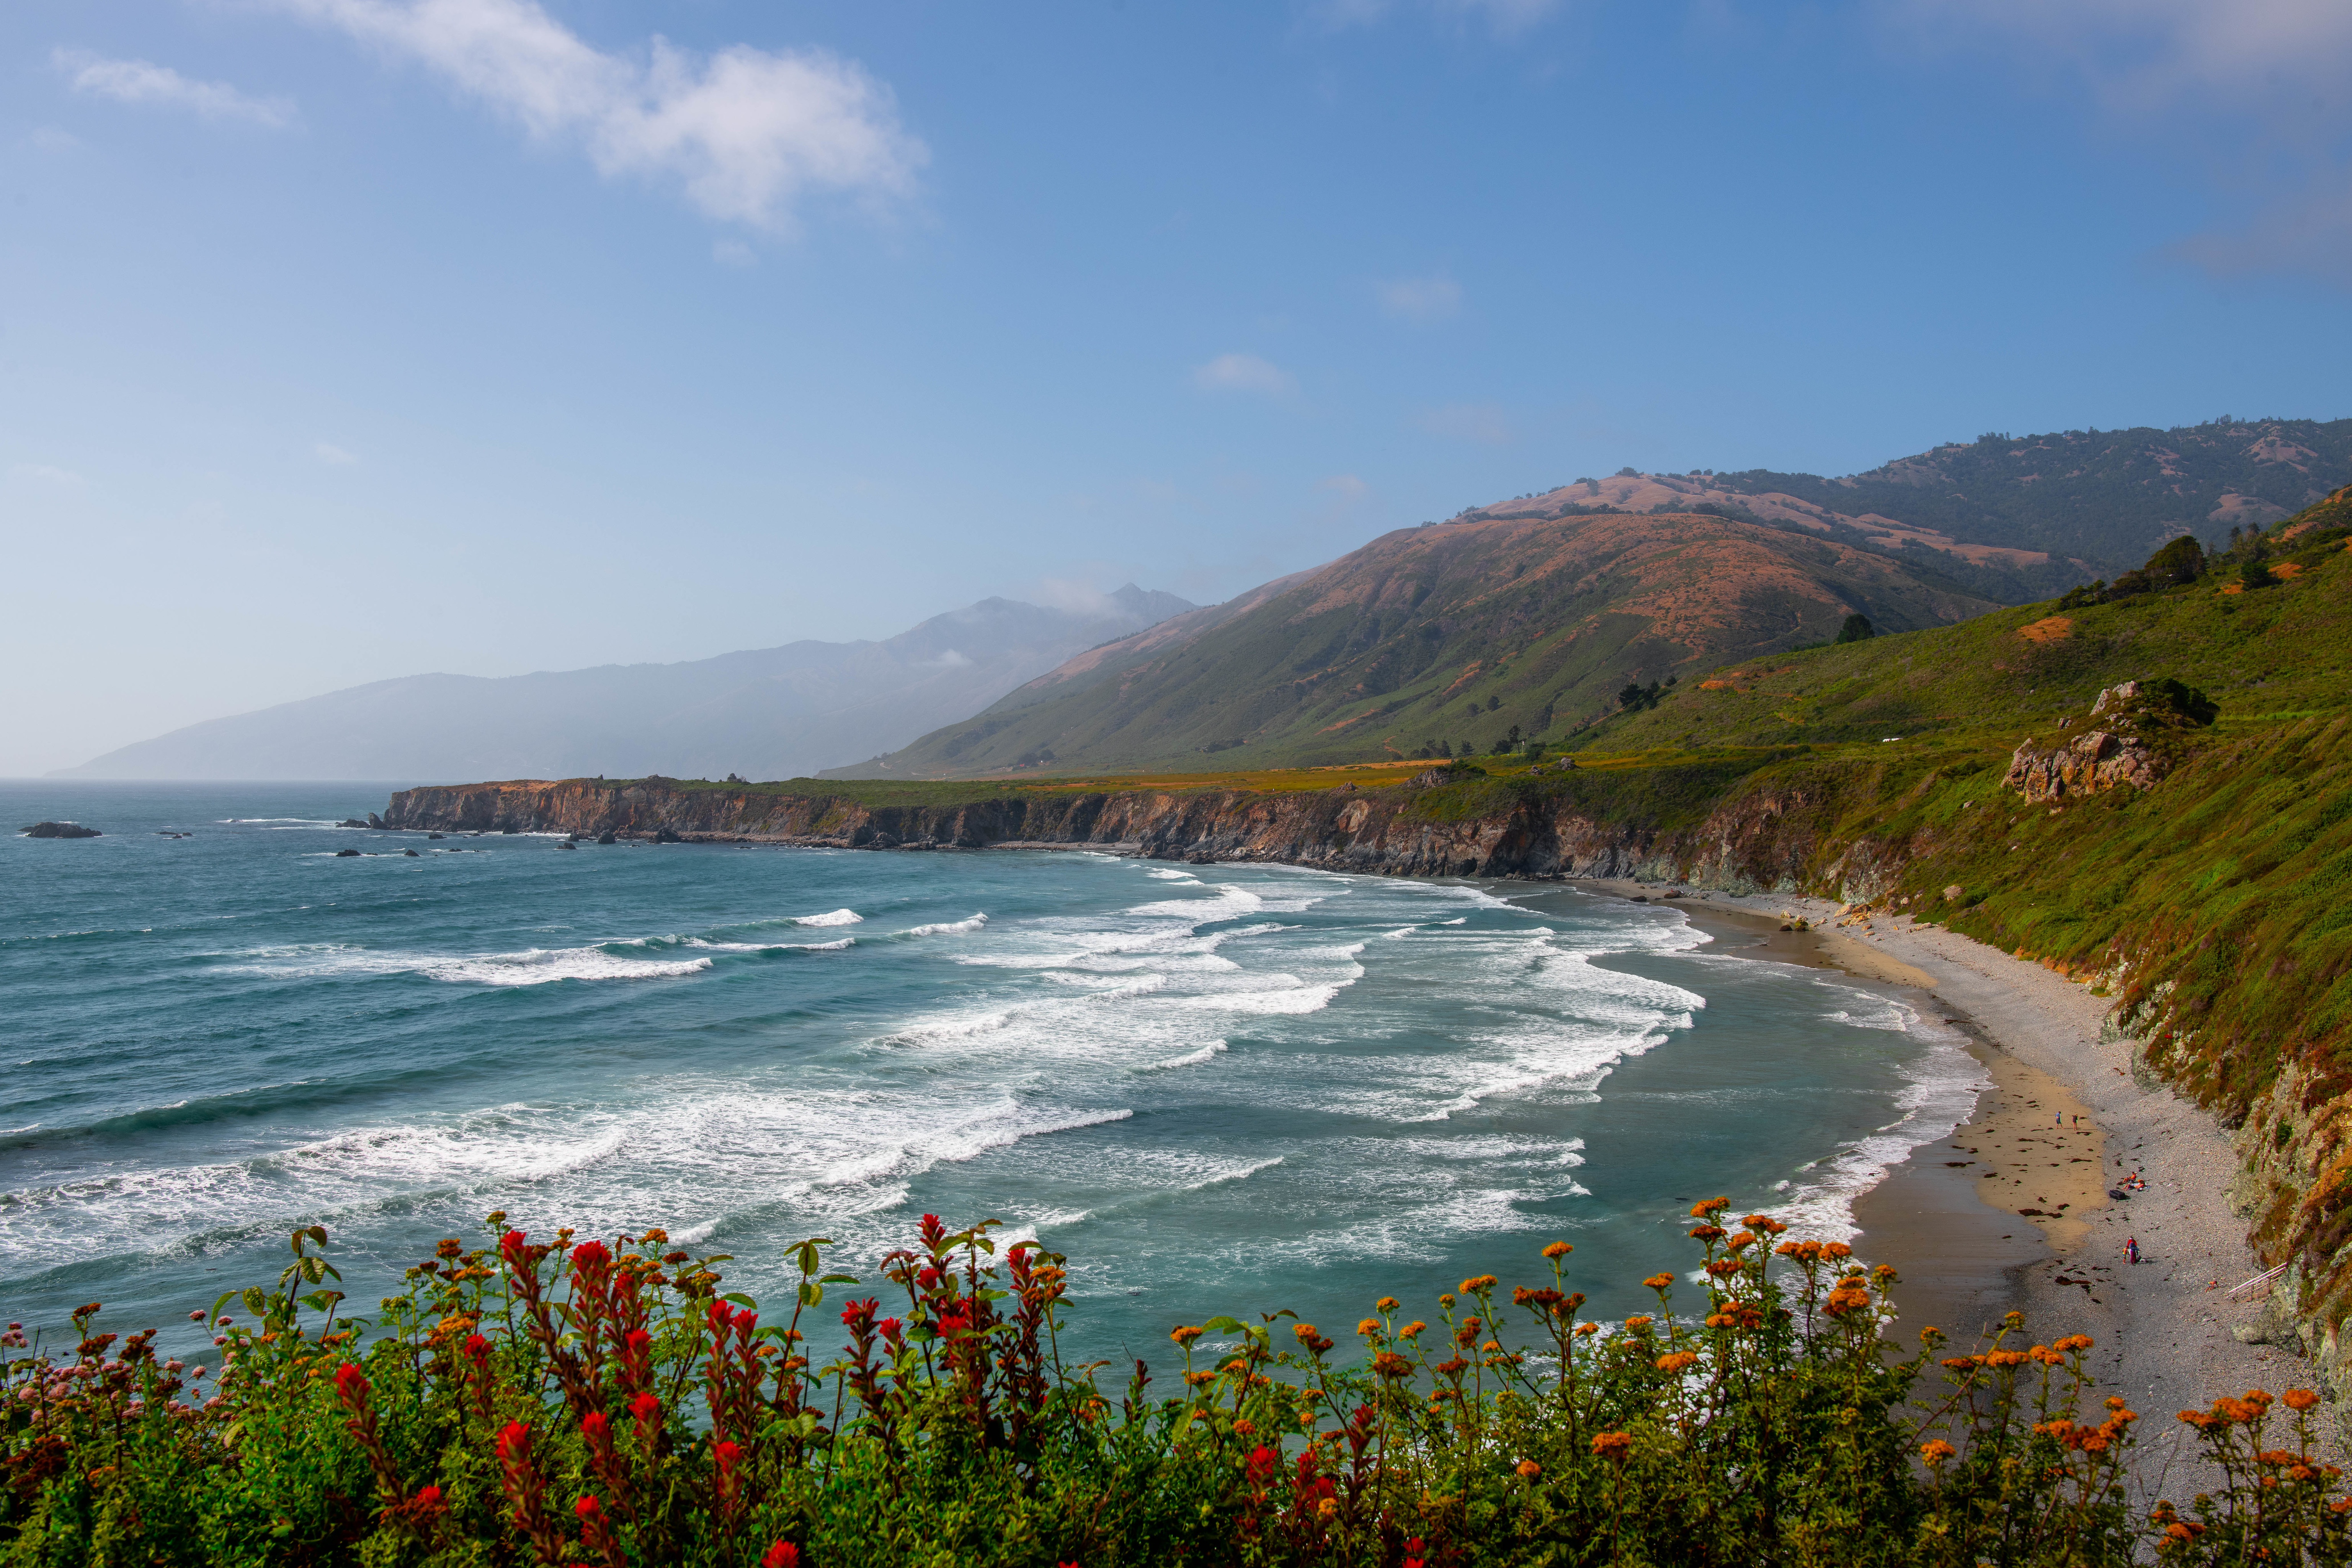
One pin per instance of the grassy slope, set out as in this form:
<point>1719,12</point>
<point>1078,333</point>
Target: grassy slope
<point>1453,634</point>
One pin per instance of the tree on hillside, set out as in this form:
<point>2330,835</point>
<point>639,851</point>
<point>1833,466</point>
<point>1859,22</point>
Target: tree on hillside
<point>2182,561</point>
<point>1857,629</point>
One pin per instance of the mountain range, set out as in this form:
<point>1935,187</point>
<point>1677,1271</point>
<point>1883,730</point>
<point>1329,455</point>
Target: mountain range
<point>1532,614</point>
<point>1453,634</point>
<point>774,713</point>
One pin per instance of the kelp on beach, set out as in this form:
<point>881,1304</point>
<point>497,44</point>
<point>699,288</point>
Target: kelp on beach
<point>583,1401</point>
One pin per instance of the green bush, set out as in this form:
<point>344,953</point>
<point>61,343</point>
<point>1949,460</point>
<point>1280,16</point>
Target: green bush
<point>600,1403</point>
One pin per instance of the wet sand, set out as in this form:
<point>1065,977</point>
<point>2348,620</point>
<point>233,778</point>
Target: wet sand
<point>1950,1217</point>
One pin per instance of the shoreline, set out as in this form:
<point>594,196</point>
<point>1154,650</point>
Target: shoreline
<point>2168,1331</point>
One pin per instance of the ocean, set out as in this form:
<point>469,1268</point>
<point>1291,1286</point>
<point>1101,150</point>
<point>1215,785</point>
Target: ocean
<point>1225,1088</point>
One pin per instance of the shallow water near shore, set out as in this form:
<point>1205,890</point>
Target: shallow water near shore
<point>1219,1088</point>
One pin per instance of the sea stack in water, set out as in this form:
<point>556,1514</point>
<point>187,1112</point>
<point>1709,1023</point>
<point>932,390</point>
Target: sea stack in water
<point>61,830</point>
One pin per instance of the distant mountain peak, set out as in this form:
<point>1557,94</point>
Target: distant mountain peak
<point>774,713</point>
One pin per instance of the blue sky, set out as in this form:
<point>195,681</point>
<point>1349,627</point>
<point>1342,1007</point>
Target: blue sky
<point>348,338</point>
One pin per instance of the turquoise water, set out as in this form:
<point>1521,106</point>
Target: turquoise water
<point>1219,1088</point>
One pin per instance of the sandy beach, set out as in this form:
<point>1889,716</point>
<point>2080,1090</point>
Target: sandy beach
<point>2013,1211</point>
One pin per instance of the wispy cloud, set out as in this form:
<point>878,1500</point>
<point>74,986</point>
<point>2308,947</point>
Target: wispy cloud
<point>2309,233</point>
<point>1506,18</point>
<point>1420,299</point>
<point>42,473</point>
<point>2275,76</point>
<point>1484,424</point>
<point>328,452</point>
<point>2144,53</point>
<point>1243,373</point>
<point>747,133</point>
<point>144,82</point>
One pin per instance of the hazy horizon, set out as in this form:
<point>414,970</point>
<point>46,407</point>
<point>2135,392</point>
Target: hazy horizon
<point>351,340</point>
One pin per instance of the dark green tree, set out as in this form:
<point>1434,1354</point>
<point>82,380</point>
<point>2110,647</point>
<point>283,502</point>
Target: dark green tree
<point>1857,629</point>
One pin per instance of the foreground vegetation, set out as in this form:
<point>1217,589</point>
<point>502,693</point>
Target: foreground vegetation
<point>558,1401</point>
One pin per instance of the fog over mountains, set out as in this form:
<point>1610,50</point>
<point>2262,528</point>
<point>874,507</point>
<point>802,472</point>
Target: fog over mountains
<point>778,712</point>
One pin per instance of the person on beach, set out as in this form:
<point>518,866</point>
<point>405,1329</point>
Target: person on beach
<point>2131,1249</point>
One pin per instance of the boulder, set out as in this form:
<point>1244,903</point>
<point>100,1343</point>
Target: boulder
<point>347,853</point>
<point>567,844</point>
<point>350,821</point>
<point>607,837</point>
<point>1955,893</point>
<point>666,836</point>
<point>411,853</point>
<point>61,830</point>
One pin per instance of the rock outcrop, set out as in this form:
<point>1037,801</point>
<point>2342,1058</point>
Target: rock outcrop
<point>2133,741</point>
<point>60,830</point>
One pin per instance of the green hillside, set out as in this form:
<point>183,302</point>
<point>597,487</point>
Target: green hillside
<point>2268,655</point>
<point>1451,637</point>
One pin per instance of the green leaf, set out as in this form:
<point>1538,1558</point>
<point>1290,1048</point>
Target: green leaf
<point>840,1279</point>
<point>740,1298</point>
<point>255,1301</point>
<point>811,1293</point>
<point>317,1232</point>
<point>225,1298</point>
<point>1223,1325</point>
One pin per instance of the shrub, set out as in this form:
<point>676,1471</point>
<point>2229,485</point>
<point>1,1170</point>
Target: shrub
<point>604,1402</point>
<point>1857,629</point>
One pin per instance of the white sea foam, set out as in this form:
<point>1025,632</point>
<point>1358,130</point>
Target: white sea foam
<point>1940,1086</point>
<point>533,966</point>
<point>1207,1053</point>
<point>947,928</point>
<point>833,917</point>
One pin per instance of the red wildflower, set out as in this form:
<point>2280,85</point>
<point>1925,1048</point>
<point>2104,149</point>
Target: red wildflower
<point>782,1554</point>
<point>1262,1462</point>
<point>350,1386</point>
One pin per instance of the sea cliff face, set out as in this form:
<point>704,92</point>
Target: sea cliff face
<point>1374,831</point>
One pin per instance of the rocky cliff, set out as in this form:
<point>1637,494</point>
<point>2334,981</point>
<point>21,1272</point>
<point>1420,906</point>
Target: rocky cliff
<point>1346,830</point>
<point>1776,834</point>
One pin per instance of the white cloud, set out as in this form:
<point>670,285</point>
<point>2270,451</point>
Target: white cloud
<point>1346,487</point>
<point>328,452</point>
<point>2141,53</point>
<point>1483,423</point>
<point>732,253</point>
<point>141,81</point>
<point>746,131</point>
<point>43,473</point>
<point>1420,299</point>
<point>1243,373</point>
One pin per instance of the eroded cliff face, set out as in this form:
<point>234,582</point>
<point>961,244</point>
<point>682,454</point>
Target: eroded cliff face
<point>1341,830</point>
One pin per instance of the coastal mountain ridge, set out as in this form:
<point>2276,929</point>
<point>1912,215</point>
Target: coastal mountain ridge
<point>1453,635</point>
<point>2015,518</point>
<point>772,712</point>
